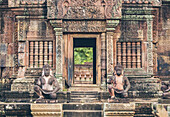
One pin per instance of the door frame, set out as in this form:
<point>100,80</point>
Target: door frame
<point>68,62</point>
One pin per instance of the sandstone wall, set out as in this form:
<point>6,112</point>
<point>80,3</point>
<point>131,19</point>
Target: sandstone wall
<point>163,49</point>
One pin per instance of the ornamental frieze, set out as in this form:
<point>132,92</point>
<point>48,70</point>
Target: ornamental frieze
<point>84,26</point>
<point>84,9</point>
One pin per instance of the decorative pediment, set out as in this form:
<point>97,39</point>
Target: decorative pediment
<point>84,9</point>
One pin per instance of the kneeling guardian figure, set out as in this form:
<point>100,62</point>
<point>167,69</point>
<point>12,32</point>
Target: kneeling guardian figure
<point>47,85</point>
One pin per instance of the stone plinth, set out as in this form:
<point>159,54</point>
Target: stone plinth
<point>46,110</point>
<point>119,109</point>
<point>23,85</point>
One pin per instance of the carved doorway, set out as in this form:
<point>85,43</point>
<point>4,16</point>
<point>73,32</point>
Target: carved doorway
<point>72,41</point>
<point>84,60</point>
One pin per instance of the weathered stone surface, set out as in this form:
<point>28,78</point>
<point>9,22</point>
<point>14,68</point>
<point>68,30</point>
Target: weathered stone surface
<point>144,109</point>
<point>119,109</point>
<point>19,110</point>
<point>23,85</point>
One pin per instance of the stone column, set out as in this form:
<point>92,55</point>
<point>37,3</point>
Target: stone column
<point>57,25</point>
<point>110,27</point>
<point>22,38</point>
<point>149,46</point>
<point>103,60</point>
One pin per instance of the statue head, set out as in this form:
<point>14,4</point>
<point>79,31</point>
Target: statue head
<point>46,70</point>
<point>118,69</point>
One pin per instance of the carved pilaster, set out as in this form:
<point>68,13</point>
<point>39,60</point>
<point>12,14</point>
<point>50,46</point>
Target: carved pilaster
<point>57,25</point>
<point>111,25</point>
<point>109,52</point>
<point>149,47</point>
<point>22,38</point>
<point>103,58</point>
<point>59,39</point>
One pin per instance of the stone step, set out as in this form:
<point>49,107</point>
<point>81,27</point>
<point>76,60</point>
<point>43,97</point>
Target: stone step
<point>82,110</point>
<point>84,100</point>
<point>83,93</point>
<point>83,114</point>
<point>84,96</point>
<point>84,89</point>
<point>80,106</point>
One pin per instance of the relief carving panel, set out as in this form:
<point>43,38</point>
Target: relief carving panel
<point>84,26</point>
<point>84,9</point>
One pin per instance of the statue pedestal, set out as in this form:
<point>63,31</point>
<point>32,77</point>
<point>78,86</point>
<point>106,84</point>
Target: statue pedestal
<point>46,110</point>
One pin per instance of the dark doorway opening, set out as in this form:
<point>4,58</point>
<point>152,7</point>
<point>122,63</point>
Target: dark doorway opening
<point>84,76</point>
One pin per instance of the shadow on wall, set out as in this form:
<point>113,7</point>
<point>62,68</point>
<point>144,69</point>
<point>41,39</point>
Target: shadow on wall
<point>163,65</point>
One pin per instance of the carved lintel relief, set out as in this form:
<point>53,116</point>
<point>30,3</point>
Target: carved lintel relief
<point>84,26</point>
<point>84,9</point>
<point>149,47</point>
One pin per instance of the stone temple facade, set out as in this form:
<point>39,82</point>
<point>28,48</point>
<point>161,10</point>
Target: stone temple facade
<point>134,33</point>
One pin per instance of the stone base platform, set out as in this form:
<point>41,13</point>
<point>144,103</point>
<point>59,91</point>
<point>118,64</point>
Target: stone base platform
<point>133,109</point>
<point>76,96</point>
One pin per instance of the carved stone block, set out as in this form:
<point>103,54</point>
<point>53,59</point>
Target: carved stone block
<point>23,85</point>
<point>46,110</point>
<point>119,109</point>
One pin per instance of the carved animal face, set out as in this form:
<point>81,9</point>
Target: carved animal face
<point>118,70</point>
<point>46,70</point>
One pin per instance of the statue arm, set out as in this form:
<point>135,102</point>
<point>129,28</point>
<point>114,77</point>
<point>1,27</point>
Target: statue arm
<point>127,83</point>
<point>38,82</point>
<point>110,80</point>
<point>57,86</point>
